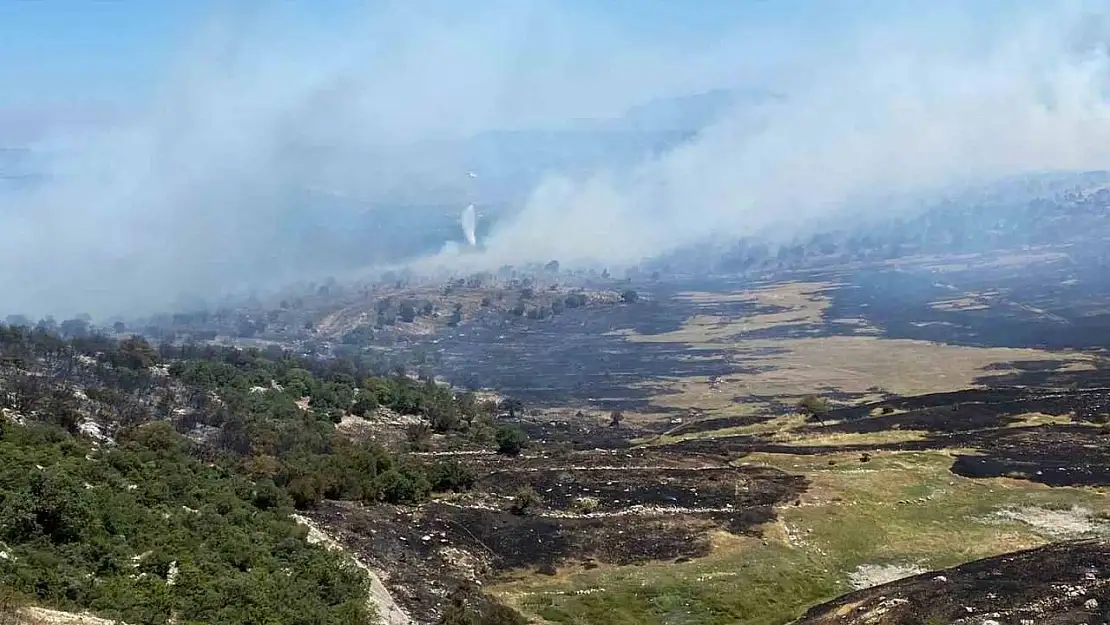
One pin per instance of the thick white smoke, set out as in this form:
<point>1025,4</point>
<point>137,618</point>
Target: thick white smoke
<point>902,112</point>
<point>190,194</point>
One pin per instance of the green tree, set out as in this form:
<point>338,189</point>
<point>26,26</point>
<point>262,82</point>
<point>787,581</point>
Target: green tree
<point>511,439</point>
<point>407,312</point>
<point>403,486</point>
<point>452,475</point>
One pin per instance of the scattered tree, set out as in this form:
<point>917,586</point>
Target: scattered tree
<point>513,406</point>
<point>525,501</point>
<point>419,436</point>
<point>615,418</point>
<point>452,476</point>
<point>511,439</point>
<point>407,312</point>
<point>815,407</point>
<point>575,300</point>
<point>585,505</point>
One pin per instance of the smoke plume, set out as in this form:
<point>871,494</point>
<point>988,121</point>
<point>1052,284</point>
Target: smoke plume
<point>201,188</point>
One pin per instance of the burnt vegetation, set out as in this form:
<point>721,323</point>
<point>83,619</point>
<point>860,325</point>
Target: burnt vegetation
<point>1064,583</point>
<point>151,477</point>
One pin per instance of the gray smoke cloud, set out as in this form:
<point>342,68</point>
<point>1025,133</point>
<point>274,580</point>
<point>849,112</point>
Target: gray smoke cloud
<point>192,193</point>
<point>903,110</point>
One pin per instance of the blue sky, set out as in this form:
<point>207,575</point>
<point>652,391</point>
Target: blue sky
<point>883,98</point>
<point>59,52</point>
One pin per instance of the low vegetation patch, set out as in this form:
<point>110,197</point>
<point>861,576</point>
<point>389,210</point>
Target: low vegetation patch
<point>892,516</point>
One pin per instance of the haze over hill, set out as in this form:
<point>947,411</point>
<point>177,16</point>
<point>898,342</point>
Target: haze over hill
<point>200,189</point>
<point>635,312</point>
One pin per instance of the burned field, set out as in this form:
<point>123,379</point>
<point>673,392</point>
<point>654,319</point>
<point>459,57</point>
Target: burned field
<point>716,423</point>
<point>1057,304</point>
<point>994,424</point>
<point>717,499</point>
<point>582,357</point>
<point>628,356</point>
<point>583,511</point>
<point>1053,455</point>
<point>428,553</point>
<point>646,489</point>
<point>602,511</point>
<point>1062,584</point>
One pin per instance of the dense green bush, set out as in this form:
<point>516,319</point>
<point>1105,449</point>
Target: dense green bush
<point>510,440</point>
<point>452,475</point>
<point>144,531</point>
<point>106,529</point>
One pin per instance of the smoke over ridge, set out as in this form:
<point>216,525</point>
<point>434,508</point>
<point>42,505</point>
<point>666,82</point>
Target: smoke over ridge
<point>191,193</point>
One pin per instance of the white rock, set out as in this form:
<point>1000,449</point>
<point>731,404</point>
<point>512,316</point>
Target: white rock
<point>1091,604</point>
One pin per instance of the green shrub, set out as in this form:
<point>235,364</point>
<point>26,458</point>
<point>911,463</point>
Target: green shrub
<point>398,487</point>
<point>585,505</point>
<point>814,405</point>
<point>510,440</point>
<point>146,507</point>
<point>525,501</point>
<point>453,476</point>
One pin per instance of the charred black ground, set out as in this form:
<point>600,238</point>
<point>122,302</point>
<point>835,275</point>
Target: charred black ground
<point>637,512</point>
<point>599,494</point>
<point>1059,303</point>
<point>1062,584</point>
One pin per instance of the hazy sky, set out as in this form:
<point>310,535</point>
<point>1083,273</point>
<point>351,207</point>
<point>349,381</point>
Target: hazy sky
<point>171,125</point>
<point>68,54</point>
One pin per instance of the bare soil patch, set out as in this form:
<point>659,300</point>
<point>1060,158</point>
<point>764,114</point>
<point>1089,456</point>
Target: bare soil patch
<point>871,575</point>
<point>1074,522</point>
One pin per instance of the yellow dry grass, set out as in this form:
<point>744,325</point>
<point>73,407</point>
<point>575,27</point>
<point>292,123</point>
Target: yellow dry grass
<point>856,364</point>
<point>1039,418</point>
<point>849,438</point>
<point>794,367</point>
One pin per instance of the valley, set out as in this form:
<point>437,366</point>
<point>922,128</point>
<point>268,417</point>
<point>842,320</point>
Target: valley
<point>667,450</point>
<point>719,496</point>
<point>555,313</point>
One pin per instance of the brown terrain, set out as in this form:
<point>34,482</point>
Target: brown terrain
<point>931,438</point>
